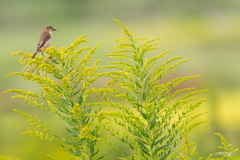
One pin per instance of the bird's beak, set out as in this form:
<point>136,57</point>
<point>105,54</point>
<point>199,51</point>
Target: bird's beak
<point>54,29</point>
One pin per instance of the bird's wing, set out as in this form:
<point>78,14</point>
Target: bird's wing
<point>44,37</point>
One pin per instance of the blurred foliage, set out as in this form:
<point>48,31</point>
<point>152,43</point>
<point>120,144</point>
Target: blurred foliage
<point>206,30</point>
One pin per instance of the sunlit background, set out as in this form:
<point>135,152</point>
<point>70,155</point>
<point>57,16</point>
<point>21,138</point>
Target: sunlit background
<point>207,30</point>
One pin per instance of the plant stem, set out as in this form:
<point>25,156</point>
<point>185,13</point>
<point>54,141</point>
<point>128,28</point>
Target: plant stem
<point>87,150</point>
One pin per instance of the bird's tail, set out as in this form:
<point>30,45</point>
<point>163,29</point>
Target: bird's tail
<point>34,55</point>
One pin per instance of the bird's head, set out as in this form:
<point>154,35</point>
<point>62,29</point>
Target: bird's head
<point>49,28</point>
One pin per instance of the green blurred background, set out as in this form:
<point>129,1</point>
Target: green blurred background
<point>206,30</point>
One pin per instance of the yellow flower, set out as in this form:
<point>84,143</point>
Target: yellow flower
<point>45,89</point>
<point>85,129</point>
<point>65,82</point>
<point>62,50</point>
<point>47,50</point>
<point>50,104</point>
<point>76,108</point>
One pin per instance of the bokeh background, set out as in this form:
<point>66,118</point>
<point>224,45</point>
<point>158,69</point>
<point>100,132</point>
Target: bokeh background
<point>206,30</point>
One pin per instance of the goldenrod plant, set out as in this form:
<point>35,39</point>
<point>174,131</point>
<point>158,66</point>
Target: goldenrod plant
<point>226,153</point>
<point>188,151</point>
<point>152,121</point>
<point>64,82</point>
<point>156,117</point>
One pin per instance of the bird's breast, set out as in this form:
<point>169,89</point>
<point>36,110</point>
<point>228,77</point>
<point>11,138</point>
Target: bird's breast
<point>48,43</point>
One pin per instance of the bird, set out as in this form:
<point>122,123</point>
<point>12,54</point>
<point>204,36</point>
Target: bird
<point>45,39</point>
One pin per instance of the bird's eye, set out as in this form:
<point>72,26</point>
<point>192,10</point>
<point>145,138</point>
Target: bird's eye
<point>50,27</point>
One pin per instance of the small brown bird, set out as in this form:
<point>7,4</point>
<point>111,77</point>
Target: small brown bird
<point>44,40</point>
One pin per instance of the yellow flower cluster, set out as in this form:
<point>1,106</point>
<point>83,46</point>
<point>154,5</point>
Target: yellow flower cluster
<point>76,109</point>
<point>53,52</point>
<point>62,50</point>
<point>85,131</point>
<point>74,45</point>
<point>65,83</point>
<point>124,28</point>
<point>48,156</point>
<point>52,108</point>
<point>48,68</point>
<point>86,59</point>
<point>117,55</point>
<point>24,92</point>
<point>124,39</point>
<point>23,114</point>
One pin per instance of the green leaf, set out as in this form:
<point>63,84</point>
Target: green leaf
<point>139,106</point>
<point>157,149</point>
<point>137,84</point>
<point>137,96</point>
<point>143,146</point>
<point>144,76</point>
<point>142,141</point>
<point>99,158</point>
<point>131,146</point>
<point>74,87</point>
<point>72,132</point>
<point>56,62</point>
<point>76,92</point>
<point>58,76</point>
<point>63,64</point>
<point>67,62</point>
<point>164,157</point>
<point>173,125</point>
<point>141,62</point>
<point>78,153</point>
<point>153,123</point>
<point>146,152</point>
<point>94,153</point>
<point>61,88</point>
<point>145,134</point>
<point>86,110</point>
<point>68,121</point>
<point>79,100</point>
<point>75,121</point>
<point>71,70</point>
<point>63,110</point>
<point>153,142</point>
<point>70,143</point>
<point>144,96</point>
<point>73,78</point>
<point>122,140</point>
<point>92,145</point>
<point>135,58</point>
<point>153,99</point>
<point>66,102</point>
<point>144,115</point>
<point>158,130</point>
<point>145,85</point>
<point>160,140</point>
<point>85,120</point>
